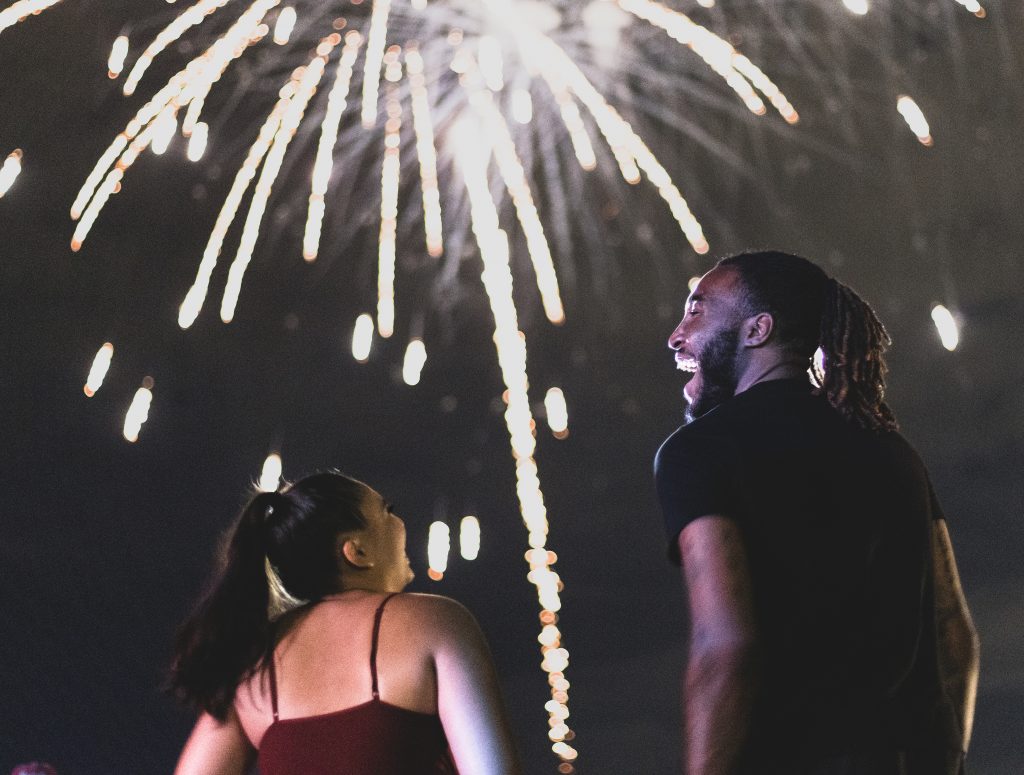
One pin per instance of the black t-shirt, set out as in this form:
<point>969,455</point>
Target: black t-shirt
<point>836,523</point>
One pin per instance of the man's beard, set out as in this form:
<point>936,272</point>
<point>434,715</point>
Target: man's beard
<point>718,372</point>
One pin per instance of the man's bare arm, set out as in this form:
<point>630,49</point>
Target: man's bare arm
<point>959,647</point>
<point>721,669</point>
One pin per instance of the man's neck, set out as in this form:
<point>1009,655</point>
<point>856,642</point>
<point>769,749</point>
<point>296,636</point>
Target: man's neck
<point>781,369</point>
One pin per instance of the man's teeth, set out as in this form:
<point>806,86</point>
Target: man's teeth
<point>687,364</point>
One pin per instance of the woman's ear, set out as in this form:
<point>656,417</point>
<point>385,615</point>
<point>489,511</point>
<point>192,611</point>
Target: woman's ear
<point>353,553</point>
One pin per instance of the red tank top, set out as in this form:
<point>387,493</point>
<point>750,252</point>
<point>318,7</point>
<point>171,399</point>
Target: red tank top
<point>375,738</point>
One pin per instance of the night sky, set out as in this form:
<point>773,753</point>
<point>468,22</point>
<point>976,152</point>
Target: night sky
<point>106,543</point>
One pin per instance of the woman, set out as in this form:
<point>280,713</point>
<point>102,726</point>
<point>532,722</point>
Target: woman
<point>302,650</point>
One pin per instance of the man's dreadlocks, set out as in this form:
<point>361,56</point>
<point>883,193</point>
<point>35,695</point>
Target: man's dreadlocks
<point>812,310</point>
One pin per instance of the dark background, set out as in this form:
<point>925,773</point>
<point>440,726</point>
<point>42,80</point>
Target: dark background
<point>105,543</point>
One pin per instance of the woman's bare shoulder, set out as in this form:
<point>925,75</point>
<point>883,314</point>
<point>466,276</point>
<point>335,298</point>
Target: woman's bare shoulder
<point>433,611</point>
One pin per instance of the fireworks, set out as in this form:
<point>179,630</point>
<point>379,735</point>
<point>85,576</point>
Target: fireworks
<point>451,97</point>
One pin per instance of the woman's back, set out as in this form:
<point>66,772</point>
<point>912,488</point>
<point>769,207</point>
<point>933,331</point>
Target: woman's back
<point>352,688</point>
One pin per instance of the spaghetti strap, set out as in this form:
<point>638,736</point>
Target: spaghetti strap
<point>273,685</point>
<point>373,647</point>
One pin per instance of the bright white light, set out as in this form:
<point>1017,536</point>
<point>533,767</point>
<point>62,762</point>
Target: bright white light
<point>859,7</point>
<point>438,546</point>
<point>491,62</point>
<point>946,325</point>
<point>415,357</point>
<point>163,131</point>
<point>362,338</point>
<point>558,414</point>
<point>541,16</point>
<point>270,476</point>
<point>522,106</point>
<point>10,171</point>
<point>469,538</point>
<point>197,142</point>
<point>692,283</point>
<point>138,412</point>
<point>100,366</point>
<point>118,53</point>
<point>974,7</point>
<point>285,25</point>
<point>915,119</point>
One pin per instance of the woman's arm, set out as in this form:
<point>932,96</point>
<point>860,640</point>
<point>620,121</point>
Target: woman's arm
<point>216,748</point>
<point>959,647</point>
<point>468,697</point>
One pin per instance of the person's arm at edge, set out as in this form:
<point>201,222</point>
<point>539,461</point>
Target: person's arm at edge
<point>721,670</point>
<point>959,647</point>
<point>468,696</point>
<point>216,748</point>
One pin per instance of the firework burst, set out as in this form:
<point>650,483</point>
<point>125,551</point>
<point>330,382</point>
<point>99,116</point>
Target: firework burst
<point>448,98</point>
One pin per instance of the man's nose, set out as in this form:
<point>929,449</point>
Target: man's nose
<point>675,339</point>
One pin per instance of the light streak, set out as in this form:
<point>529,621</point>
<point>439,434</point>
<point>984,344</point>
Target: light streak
<point>522,106</point>
<point>98,371</point>
<point>285,25</point>
<point>946,325</point>
<point>438,547</point>
<point>308,82</point>
<point>390,178</point>
<point>21,10</point>
<point>118,54</point>
<point>491,62</point>
<point>514,175</point>
<point>138,412</point>
<point>337,100</point>
<point>859,7</point>
<point>915,119</point>
<point>197,141</point>
<point>469,538</point>
<point>415,358</point>
<point>270,475</point>
<point>510,343</point>
<point>974,7</point>
<point>423,127</point>
<point>376,41</point>
<point>557,412</point>
<point>163,130</point>
<point>362,338</point>
<point>10,170</point>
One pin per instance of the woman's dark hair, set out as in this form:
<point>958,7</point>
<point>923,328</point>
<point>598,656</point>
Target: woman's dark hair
<point>812,310</point>
<point>229,635</point>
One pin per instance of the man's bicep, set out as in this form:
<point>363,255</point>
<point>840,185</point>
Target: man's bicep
<point>717,575</point>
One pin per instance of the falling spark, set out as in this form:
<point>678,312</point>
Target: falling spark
<point>915,119</point>
<point>138,412</point>
<point>270,476</point>
<point>164,129</point>
<point>377,40</point>
<point>285,24</point>
<point>510,344</point>
<point>424,128</point>
<point>21,10</point>
<point>415,358</point>
<point>974,7</point>
<point>469,538</point>
<point>391,170</point>
<point>859,7</point>
<point>557,412</point>
<point>947,327</point>
<point>100,366</point>
<point>522,106</point>
<point>197,141</point>
<point>337,100</point>
<point>118,54</point>
<point>10,170</point>
<point>362,338</point>
<point>438,546</point>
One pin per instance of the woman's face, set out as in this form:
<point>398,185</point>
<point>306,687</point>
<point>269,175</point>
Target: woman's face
<point>384,538</point>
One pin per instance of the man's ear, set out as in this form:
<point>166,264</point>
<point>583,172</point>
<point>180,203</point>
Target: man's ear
<point>757,330</point>
<point>353,553</point>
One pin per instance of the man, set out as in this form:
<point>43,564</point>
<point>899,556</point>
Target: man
<point>829,632</point>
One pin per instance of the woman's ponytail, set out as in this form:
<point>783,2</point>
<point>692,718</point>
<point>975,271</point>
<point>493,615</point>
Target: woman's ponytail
<point>853,341</point>
<point>229,632</point>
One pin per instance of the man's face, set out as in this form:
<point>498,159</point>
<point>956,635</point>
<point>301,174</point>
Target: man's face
<point>706,341</point>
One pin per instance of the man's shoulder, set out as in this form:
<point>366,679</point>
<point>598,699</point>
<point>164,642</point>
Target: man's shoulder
<point>695,442</point>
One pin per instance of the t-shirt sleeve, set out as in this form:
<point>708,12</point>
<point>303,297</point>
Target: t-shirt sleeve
<point>694,478</point>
